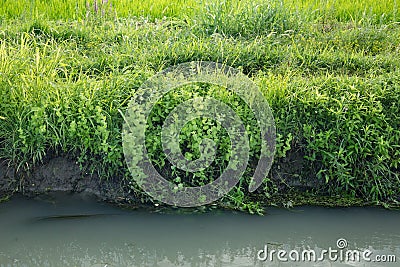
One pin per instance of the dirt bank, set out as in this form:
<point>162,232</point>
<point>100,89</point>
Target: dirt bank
<point>61,174</point>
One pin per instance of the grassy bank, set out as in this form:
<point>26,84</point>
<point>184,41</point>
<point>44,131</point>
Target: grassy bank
<point>328,69</point>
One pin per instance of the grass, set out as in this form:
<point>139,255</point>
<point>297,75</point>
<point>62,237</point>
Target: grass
<point>360,11</point>
<point>329,70</point>
<point>324,10</point>
<point>80,9</point>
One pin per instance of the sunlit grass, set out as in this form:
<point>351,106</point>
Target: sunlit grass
<point>329,69</point>
<point>343,10</point>
<point>77,9</point>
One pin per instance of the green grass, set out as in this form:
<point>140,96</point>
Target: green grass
<point>80,9</point>
<point>329,69</point>
<point>366,11</point>
<point>360,11</point>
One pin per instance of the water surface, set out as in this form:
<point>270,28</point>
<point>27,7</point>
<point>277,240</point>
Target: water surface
<point>63,232</point>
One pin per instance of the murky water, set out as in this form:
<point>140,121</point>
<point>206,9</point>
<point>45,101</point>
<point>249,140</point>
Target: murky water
<point>58,233</point>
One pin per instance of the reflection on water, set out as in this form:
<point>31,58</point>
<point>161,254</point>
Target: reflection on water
<point>43,233</point>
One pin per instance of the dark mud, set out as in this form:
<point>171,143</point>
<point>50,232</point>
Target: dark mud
<point>61,174</point>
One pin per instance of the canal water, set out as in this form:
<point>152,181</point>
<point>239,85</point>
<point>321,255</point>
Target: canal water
<point>73,230</point>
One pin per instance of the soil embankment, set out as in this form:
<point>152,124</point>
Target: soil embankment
<point>59,174</point>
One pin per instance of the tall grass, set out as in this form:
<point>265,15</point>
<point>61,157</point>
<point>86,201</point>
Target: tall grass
<point>77,9</point>
<point>342,10</point>
<point>244,18</point>
<point>359,11</point>
<point>333,85</point>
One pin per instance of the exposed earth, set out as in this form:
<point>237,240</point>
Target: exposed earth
<point>62,174</point>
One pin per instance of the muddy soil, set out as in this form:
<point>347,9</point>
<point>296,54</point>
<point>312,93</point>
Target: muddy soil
<point>61,174</point>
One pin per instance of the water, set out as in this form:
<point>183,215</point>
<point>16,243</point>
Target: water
<point>35,233</point>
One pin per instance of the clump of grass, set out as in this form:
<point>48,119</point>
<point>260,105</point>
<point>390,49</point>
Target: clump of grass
<point>244,18</point>
<point>99,10</point>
